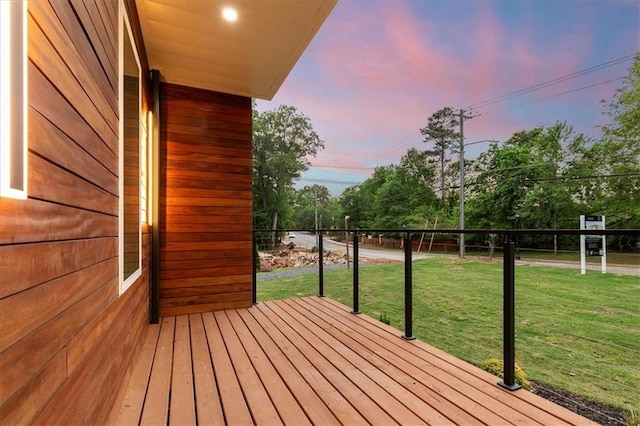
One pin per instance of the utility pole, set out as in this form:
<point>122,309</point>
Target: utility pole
<point>462,117</point>
<point>461,238</point>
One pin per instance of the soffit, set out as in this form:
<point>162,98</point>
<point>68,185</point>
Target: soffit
<point>190,43</point>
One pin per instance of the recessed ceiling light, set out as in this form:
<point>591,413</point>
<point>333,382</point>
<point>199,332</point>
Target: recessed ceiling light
<point>230,14</point>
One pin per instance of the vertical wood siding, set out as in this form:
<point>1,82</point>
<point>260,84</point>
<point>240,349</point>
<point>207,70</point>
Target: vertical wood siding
<point>66,338</point>
<point>205,201</point>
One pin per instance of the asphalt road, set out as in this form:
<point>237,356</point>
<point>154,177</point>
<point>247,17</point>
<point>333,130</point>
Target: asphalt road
<point>308,240</point>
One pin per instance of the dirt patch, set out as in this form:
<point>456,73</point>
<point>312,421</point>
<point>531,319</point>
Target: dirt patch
<point>598,412</point>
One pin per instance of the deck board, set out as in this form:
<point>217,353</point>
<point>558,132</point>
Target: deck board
<point>309,360</point>
<point>156,404</point>
<point>183,407</point>
<point>208,406</point>
<point>262,408</point>
<point>335,401</point>
<point>461,403</point>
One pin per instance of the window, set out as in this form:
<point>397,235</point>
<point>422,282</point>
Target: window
<point>13,99</point>
<point>131,191</point>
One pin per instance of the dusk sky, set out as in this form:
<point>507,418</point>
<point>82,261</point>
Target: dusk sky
<point>377,70</point>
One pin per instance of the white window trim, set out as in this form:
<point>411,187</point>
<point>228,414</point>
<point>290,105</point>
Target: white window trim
<point>124,30</point>
<point>13,59</point>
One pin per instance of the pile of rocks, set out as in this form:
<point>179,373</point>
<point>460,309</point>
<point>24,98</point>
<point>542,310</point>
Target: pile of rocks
<point>286,257</point>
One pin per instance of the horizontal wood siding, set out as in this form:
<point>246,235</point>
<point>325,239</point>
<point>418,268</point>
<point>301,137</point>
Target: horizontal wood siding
<point>205,201</point>
<point>67,339</point>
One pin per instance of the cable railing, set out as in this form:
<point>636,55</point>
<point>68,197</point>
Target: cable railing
<point>505,246</point>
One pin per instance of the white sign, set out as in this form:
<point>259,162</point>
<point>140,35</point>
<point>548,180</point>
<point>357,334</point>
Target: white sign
<point>592,245</point>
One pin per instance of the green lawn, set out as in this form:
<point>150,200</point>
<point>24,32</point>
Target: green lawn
<point>580,333</point>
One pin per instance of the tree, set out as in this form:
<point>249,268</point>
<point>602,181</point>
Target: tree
<point>394,196</point>
<point>524,176</point>
<point>306,202</point>
<point>442,130</point>
<point>620,145</point>
<point>354,205</point>
<point>283,141</point>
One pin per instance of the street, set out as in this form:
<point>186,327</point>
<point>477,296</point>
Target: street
<point>308,240</point>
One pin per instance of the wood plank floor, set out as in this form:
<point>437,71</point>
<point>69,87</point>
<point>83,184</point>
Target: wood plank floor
<point>310,361</point>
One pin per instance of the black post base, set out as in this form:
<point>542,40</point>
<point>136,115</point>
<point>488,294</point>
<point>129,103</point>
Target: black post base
<point>405,337</point>
<point>513,387</point>
<point>356,312</point>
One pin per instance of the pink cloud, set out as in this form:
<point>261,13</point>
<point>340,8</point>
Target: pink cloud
<point>376,72</point>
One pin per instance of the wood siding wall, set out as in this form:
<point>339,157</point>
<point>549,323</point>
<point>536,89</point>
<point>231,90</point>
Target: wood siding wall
<point>205,201</point>
<point>66,338</point>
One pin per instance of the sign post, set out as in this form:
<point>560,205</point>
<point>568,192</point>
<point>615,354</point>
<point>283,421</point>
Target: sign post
<point>592,245</point>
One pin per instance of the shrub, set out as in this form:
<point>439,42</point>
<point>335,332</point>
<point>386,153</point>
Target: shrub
<point>495,366</point>
<point>385,318</point>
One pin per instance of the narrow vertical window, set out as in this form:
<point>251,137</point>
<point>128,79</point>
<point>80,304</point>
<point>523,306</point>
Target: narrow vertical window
<point>131,190</point>
<point>13,99</point>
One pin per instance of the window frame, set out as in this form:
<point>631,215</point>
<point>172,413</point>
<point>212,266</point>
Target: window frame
<point>124,30</point>
<point>13,97</point>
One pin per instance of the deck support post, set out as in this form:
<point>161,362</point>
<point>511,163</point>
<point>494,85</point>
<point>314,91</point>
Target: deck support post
<point>320,265</point>
<point>508,325</point>
<point>408,289</point>
<point>254,277</point>
<point>356,284</point>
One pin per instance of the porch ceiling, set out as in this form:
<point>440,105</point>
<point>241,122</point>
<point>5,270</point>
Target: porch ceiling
<point>192,45</point>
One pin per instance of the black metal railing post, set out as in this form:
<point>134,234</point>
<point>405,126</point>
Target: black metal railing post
<point>320,266</point>
<point>408,289</point>
<point>254,287</point>
<point>509,311</point>
<point>356,284</point>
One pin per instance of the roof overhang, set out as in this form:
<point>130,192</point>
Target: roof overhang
<point>191,44</point>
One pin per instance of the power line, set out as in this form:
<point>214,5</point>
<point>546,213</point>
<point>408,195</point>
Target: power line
<point>569,91</point>
<point>326,166</point>
<point>406,141</point>
<point>557,178</point>
<point>415,136</point>
<point>552,82</point>
<point>344,182</point>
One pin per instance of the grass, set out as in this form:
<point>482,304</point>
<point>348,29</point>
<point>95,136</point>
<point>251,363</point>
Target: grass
<point>579,333</point>
<point>613,258</point>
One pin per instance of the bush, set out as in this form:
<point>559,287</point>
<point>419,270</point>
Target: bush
<point>385,318</point>
<point>495,366</point>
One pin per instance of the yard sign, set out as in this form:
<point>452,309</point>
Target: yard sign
<point>592,245</point>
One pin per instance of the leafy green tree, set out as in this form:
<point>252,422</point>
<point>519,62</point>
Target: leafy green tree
<point>354,204</point>
<point>442,130</point>
<point>525,177</point>
<point>620,143</point>
<point>283,141</point>
<point>395,195</point>
<point>308,201</point>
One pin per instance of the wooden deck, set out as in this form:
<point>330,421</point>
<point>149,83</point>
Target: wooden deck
<point>309,360</point>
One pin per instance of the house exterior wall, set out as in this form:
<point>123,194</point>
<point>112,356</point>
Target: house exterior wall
<point>205,201</point>
<point>67,338</point>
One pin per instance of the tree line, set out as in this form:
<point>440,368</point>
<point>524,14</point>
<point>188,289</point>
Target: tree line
<point>546,176</point>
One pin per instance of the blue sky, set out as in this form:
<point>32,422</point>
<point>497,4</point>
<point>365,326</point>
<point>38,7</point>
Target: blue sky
<point>377,69</point>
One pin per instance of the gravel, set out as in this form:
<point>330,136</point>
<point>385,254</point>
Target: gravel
<point>292,272</point>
